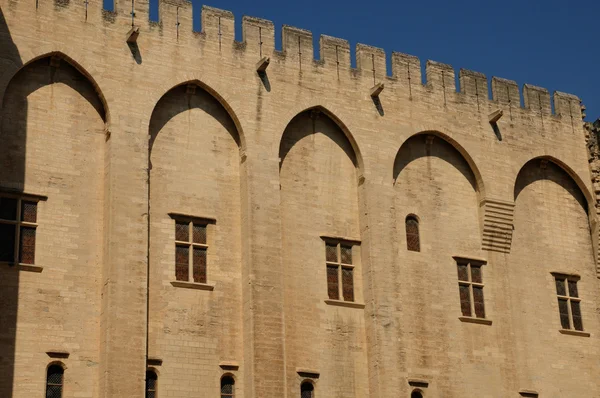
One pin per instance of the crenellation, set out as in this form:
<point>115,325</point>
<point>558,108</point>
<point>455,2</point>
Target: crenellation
<point>297,45</point>
<point>406,68</point>
<point>259,35</point>
<point>506,91</point>
<point>537,99</point>
<point>334,52</point>
<point>176,18</point>
<point>567,105</point>
<point>371,62</point>
<point>218,25</point>
<point>473,84</point>
<point>440,76</point>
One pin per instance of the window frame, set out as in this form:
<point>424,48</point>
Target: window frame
<point>190,245</point>
<point>470,284</point>
<point>566,278</point>
<point>155,390</point>
<point>311,383</point>
<point>62,380</point>
<point>223,377</point>
<point>19,223</point>
<point>341,266</point>
<point>413,218</point>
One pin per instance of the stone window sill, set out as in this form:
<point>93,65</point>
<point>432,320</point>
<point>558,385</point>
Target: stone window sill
<point>24,267</point>
<point>574,332</point>
<point>340,303</point>
<point>193,285</point>
<point>470,319</point>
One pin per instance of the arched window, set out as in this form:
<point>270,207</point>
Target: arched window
<point>151,381</point>
<point>54,381</point>
<point>416,394</point>
<point>413,242</point>
<point>227,387</point>
<point>307,390</point>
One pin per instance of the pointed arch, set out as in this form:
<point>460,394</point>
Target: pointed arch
<point>104,109</point>
<point>402,159</point>
<point>353,151</point>
<point>521,181</point>
<point>236,133</point>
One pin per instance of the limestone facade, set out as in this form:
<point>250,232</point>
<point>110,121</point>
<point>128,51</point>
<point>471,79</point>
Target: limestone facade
<point>119,133</point>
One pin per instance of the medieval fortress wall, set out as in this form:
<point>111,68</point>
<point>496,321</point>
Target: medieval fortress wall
<point>123,126</point>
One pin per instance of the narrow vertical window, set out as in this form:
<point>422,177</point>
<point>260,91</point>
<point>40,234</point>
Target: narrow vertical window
<point>151,384</point>
<point>413,242</point>
<point>340,270</point>
<point>569,303</point>
<point>54,381</point>
<point>227,387</point>
<point>416,394</point>
<point>18,224</point>
<point>191,247</point>
<point>470,287</point>
<point>307,390</point>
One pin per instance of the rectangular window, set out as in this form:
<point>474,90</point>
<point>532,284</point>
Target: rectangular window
<point>569,303</point>
<point>340,270</point>
<point>191,247</point>
<point>470,287</point>
<point>18,224</point>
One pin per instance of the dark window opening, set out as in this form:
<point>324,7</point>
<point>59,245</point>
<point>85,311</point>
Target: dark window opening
<point>227,387</point>
<point>569,303</point>
<point>470,287</point>
<point>413,242</point>
<point>54,381</point>
<point>18,224</point>
<point>191,247</point>
<point>307,390</point>
<point>340,271</point>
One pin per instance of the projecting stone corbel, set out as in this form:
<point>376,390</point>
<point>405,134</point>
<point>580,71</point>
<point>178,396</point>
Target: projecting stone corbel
<point>261,66</point>
<point>376,90</point>
<point>132,35</point>
<point>495,116</point>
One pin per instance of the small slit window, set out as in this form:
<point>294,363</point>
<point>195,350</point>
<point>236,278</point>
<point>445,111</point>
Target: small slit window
<point>151,384</point>
<point>307,390</point>
<point>413,242</point>
<point>227,387</point>
<point>54,381</point>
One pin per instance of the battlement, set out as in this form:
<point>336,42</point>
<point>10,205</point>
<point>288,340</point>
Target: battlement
<point>218,28</point>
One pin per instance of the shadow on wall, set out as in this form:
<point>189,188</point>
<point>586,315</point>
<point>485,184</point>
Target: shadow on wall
<point>321,124</point>
<point>426,145</point>
<point>12,175</point>
<point>543,169</point>
<point>183,98</point>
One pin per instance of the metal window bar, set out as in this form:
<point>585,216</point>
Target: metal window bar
<point>54,381</point>
<point>227,387</point>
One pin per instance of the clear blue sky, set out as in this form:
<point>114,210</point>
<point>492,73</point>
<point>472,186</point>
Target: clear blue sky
<point>548,43</point>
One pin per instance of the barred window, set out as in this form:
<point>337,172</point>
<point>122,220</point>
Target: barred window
<point>340,270</point>
<point>307,390</point>
<point>18,224</point>
<point>151,384</point>
<point>413,242</point>
<point>470,287</point>
<point>54,381</point>
<point>191,248</point>
<point>227,387</point>
<point>569,303</point>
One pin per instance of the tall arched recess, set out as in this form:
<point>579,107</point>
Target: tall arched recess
<point>435,180</point>
<point>551,236</point>
<point>52,144</point>
<point>319,174</point>
<point>195,186</point>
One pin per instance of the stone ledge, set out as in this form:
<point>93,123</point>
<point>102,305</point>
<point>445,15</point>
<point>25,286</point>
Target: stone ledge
<point>470,319</point>
<point>575,332</point>
<point>340,303</point>
<point>193,285</point>
<point>24,267</point>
